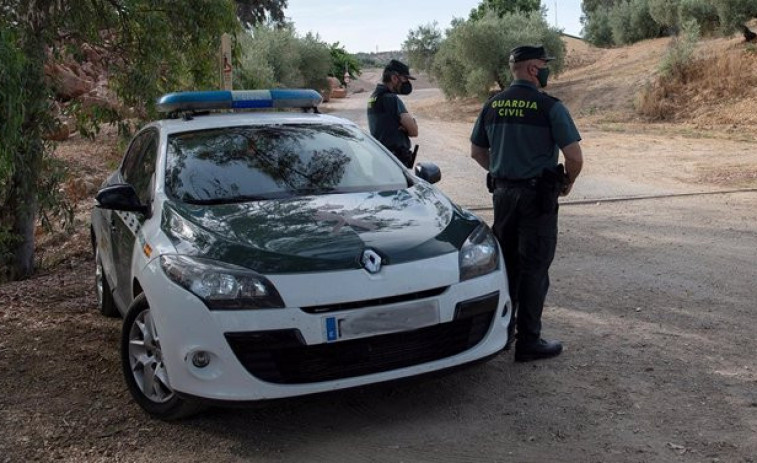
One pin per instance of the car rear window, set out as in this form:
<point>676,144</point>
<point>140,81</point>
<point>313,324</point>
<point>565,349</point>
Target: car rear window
<point>237,164</point>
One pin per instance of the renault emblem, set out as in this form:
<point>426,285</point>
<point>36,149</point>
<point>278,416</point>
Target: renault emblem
<point>371,261</point>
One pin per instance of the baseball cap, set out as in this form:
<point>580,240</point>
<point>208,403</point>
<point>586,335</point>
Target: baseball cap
<point>400,68</point>
<point>527,52</point>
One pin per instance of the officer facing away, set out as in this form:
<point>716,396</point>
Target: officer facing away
<point>516,139</point>
<point>388,119</point>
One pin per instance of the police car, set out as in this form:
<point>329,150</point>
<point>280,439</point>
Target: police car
<point>267,254</point>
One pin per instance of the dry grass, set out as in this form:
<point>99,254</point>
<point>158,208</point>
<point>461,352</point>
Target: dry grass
<point>718,87</point>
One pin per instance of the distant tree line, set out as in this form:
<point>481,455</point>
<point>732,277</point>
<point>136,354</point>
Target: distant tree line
<point>622,22</point>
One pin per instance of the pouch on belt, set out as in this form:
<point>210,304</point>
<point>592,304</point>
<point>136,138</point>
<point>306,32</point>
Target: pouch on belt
<point>551,183</point>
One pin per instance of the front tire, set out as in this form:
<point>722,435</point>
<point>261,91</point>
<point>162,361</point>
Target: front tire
<point>144,371</point>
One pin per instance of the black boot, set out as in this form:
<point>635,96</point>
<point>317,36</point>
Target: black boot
<point>536,350</point>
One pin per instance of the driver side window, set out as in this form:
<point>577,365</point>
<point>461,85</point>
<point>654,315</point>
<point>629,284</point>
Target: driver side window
<point>139,164</point>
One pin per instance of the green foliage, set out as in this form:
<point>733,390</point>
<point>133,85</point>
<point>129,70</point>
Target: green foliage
<point>680,52</point>
<point>277,57</point>
<point>12,102</point>
<point>475,55</point>
<point>151,47</point>
<point>503,7</point>
<point>342,62</point>
<point>252,12</point>
<point>701,11</point>
<point>597,30</point>
<point>631,22</point>
<point>421,46</point>
<point>733,13</point>
<point>634,20</point>
<point>666,13</point>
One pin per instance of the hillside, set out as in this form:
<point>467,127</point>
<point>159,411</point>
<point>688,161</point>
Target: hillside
<point>602,85</point>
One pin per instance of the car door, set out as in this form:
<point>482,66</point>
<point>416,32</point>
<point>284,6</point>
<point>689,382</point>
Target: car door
<point>138,170</point>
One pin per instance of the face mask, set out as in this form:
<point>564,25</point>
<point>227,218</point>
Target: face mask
<point>405,88</point>
<point>543,75</point>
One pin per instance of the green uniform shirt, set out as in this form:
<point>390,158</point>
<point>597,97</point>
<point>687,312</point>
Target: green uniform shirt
<point>523,129</point>
<point>384,111</point>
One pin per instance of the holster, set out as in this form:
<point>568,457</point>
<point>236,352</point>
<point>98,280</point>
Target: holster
<point>406,156</point>
<point>551,183</point>
<point>490,182</point>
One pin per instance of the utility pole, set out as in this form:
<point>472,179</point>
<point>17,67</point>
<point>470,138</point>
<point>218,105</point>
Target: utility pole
<point>555,14</point>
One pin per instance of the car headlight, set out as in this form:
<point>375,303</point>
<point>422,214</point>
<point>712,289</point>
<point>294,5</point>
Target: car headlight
<point>221,286</point>
<point>479,255</point>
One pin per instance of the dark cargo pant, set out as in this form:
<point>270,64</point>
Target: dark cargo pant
<point>528,237</point>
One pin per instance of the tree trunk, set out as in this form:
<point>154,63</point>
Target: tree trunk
<point>22,200</point>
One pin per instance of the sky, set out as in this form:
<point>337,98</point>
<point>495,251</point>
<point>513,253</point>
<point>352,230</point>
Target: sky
<point>369,25</point>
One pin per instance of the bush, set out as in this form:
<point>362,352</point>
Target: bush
<point>657,100</point>
<point>680,52</point>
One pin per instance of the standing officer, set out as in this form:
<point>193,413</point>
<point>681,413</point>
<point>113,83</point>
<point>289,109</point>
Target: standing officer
<point>388,119</point>
<point>516,139</point>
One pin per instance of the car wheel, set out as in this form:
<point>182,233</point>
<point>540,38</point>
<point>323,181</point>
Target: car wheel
<point>144,371</point>
<point>105,301</point>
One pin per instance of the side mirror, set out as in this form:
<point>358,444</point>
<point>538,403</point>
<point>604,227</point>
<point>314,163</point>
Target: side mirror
<point>120,197</point>
<point>428,171</point>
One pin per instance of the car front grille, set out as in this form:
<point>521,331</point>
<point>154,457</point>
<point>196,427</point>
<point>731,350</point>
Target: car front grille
<point>282,357</point>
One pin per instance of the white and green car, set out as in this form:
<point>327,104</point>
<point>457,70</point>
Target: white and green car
<point>259,255</point>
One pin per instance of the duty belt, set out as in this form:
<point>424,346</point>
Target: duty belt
<point>519,182</point>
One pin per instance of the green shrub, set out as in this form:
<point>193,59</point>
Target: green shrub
<point>680,52</point>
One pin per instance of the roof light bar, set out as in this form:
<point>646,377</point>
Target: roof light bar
<point>239,99</point>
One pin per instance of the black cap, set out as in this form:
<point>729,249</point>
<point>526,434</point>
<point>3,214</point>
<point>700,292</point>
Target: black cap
<point>527,52</point>
<point>400,68</point>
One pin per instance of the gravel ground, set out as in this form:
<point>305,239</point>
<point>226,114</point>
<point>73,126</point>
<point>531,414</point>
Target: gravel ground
<point>653,298</point>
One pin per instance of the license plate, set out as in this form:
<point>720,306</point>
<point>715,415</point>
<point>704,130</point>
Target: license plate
<point>371,322</point>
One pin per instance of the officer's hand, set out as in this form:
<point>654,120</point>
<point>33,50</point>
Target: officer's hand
<point>566,189</point>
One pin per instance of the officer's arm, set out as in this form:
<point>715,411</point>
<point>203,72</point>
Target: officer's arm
<point>481,155</point>
<point>408,124</point>
<point>574,161</point>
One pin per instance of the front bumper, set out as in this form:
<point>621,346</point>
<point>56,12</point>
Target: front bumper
<point>276,353</point>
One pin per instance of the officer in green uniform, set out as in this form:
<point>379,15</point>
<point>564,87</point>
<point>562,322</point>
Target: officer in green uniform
<point>388,119</point>
<point>517,139</point>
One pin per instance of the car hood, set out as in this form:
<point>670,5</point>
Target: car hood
<point>321,233</point>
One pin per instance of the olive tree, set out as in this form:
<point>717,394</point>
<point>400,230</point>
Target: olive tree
<point>474,57</point>
<point>666,13</point>
<point>277,56</point>
<point>733,13</point>
<point>151,47</point>
<point>421,45</point>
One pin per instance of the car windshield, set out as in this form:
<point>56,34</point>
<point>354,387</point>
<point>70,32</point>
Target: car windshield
<point>237,164</point>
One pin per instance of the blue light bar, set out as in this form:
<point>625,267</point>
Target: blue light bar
<point>239,99</point>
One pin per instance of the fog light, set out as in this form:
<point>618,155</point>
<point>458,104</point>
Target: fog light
<point>201,359</point>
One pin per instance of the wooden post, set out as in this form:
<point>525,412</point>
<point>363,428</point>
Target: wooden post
<point>225,62</point>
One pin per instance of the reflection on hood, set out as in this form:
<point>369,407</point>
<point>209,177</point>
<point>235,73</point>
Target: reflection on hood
<point>321,233</point>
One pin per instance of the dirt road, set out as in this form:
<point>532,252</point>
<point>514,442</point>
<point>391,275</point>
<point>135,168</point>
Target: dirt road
<point>653,298</point>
